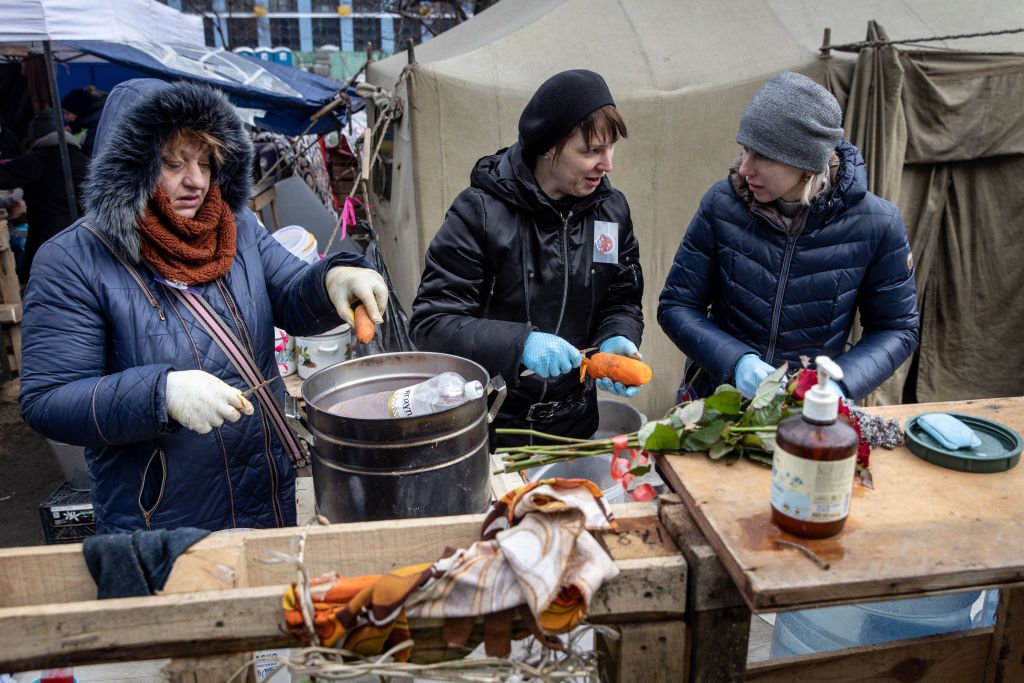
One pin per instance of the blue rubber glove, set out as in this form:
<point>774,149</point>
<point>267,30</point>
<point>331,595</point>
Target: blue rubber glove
<point>750,372</point>
<point>836,387</point>
<point>549,355</point>
<point>617,388</point>
<point>950,432</point>
<point>620,346</point>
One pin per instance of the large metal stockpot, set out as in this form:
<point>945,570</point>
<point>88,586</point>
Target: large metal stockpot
<point>426,466</point>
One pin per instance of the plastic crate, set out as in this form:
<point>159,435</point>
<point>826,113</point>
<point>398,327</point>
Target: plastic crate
<point>67,515</point>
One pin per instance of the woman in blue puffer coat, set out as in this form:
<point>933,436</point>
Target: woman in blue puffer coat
<point>782,254</point>
<point>117,361</point>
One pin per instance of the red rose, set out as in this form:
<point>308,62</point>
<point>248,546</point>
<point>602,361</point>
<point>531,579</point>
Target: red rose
<point>804,381</point>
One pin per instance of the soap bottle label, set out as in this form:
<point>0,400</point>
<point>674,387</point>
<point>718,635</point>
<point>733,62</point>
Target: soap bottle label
<point>812,490</point>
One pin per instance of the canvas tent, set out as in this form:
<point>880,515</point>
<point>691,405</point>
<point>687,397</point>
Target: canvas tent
<point>26,21</point>
<point>681,72</point>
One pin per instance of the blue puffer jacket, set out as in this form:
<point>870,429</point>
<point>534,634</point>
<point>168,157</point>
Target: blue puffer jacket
<point>98,343</point>
<point>742,284</point>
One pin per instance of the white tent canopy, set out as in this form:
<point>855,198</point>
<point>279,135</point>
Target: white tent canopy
<point>681,72</point>
<point>27,21</point>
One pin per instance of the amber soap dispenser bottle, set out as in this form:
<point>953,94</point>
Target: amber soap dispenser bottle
<point>814,463</point>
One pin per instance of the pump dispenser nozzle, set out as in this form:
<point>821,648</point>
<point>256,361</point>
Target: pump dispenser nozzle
<point>821,402</point>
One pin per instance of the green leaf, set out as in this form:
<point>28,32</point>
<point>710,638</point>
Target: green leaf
<point>720,449</point>
<point>767,389</point>
<point>702,439</point>
<point>760,458</point>
<point>661,438</point>
<point>691,413</point>
<point>640,470</point>
<point>724,403</point>
<point>768,442</point>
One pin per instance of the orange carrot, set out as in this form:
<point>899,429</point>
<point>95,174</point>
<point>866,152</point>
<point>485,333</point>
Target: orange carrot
<point>629,371</point>
<point>365,329</point>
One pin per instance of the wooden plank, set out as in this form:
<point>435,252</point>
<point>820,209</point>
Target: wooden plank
<point>709,584</point>
<point>1006,652</point>
<point>950,657</point>
<point>922,529</point>
<point>40,575</point>
<point>14,331</point>
<point>646,653</point>
<point>719,639</point>
<point>243,619</point>
<point>10,313</point>
<point>10,288</point>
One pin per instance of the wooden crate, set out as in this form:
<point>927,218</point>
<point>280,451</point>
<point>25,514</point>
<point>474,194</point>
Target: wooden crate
<point>10,302</point>
<point>48,616</point>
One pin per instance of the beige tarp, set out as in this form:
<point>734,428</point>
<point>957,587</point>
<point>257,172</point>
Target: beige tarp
<point>681,72</point>
<point>943,133</point>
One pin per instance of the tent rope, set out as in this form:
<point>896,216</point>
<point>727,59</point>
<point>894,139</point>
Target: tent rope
<point>856,47</point>
<point>376,136</point>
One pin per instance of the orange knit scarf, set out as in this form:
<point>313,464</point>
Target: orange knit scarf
<point>189,250</point>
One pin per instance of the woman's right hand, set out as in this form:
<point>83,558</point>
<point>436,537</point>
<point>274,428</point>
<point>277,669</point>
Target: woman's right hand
<point>549,355</point>
<point>199,401</point>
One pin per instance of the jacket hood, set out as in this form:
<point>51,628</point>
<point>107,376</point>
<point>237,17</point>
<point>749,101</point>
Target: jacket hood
<point>506,176</point>
<point>139,117</point>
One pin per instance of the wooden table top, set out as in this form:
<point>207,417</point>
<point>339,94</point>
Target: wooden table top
<point>923,529</point>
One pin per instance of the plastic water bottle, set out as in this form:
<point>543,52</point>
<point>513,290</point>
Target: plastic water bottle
<point>442,392</point>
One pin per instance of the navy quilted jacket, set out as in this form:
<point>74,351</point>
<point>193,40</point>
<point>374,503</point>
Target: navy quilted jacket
<point>97,349</point>
<point>740,283</point>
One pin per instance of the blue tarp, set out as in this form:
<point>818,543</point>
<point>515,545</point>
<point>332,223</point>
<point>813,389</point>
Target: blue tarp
<point>288,96</point>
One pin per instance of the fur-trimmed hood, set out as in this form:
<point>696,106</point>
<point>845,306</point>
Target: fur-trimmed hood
<point>139,116</point>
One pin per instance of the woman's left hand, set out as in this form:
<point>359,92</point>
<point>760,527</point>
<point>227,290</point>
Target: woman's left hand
<point>619,346</point>
<point>348,284</point>
<point>617,388</point>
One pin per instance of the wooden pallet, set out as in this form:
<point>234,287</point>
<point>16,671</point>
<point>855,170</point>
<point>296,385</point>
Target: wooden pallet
<point>10,301</point>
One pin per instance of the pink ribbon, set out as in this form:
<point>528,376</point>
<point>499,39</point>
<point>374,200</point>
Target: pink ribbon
<point>621,466</point>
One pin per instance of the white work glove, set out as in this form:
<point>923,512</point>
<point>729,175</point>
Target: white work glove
<point>199,401</point>
<point>348,284</point>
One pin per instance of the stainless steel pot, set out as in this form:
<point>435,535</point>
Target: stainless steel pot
<point>425,466</point>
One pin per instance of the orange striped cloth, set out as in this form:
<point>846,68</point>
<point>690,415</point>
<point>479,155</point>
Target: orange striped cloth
<point>536,558</point>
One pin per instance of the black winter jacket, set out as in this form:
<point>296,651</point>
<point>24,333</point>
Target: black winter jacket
<point>742,284</point>
<point>506,263</point>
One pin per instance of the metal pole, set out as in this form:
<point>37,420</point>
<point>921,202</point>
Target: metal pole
<point>58,114</point>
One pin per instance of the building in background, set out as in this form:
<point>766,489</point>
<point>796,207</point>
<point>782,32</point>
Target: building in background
<point>330,37</point>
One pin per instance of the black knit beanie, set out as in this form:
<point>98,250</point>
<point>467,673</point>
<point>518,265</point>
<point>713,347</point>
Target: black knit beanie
<point>559,104</point>
<point>78,102</point>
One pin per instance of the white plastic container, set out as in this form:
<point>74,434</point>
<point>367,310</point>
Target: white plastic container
<point>298,241</point>
<point>72,464</point>
<point>284,352</point>
<point>321,351</point>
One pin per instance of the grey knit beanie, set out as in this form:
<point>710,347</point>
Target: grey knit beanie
<point>793,120</point>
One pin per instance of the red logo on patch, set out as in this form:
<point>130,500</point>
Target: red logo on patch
<point>604,244</point>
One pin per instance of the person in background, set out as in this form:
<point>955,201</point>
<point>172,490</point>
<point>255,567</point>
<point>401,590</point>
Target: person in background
<point>40,173</point>
<point>83,108</point>
<point>784,251</point>
<point>9,147</point>
<point>119,352</point>
<point>537,260</point>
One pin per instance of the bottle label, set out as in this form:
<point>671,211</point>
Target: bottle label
<point>401,402</point>
<point>812,490</point>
